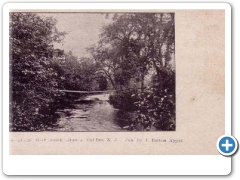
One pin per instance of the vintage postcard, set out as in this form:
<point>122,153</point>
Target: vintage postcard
<point>123,82</point>
<point>110,79</point>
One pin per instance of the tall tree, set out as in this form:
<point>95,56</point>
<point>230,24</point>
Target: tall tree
<point>33,80</point>
<point>136,42</point>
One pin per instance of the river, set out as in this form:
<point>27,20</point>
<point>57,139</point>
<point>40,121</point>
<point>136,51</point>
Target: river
<point>92,113</point>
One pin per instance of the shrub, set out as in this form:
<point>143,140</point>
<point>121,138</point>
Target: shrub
<point>122,99</point>
<point>155,108</point>
<point>156,104</point>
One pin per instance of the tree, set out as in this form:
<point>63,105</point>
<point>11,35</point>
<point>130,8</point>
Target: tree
<point>147,39</point>
<point>132,47</point>
<point>105,63</point>
<point>134,44</point>
<point>102,83</point>
<point>33,80</point>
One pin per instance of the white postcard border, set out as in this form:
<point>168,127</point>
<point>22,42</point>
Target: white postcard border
<point>114,164</point>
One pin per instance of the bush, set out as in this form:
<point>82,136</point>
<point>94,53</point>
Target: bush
<point>32,117</point>
<point>122,99</point>
<point>156,109</point>
<point>156,104</point>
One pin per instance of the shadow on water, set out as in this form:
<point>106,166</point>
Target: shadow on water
<point>93,113</point>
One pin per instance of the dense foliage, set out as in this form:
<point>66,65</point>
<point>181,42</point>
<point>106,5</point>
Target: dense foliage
<point>38,72</point>
<point>33,79</point>
<point>136,53</point>
<point>156,104</point>
<point>134,57</point>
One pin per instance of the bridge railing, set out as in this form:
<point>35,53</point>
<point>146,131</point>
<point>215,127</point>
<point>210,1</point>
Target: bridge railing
<point>87,92</point>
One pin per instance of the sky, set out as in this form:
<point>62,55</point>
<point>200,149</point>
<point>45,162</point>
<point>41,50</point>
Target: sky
<point>83,30</point>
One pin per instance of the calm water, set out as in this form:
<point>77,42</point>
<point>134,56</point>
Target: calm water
<point>93,113</point>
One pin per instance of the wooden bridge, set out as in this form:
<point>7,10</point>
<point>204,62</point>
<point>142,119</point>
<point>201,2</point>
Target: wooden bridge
<point>88,92</point>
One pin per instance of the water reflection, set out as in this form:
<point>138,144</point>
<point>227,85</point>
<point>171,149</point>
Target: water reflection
<point>94,113</point>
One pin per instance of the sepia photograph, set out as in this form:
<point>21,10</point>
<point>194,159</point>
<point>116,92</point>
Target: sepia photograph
<point>92,71</point>
<point>88,87</point>
<point>115,79</point>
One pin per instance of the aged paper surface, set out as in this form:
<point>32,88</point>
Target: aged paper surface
<point>200,106</point>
